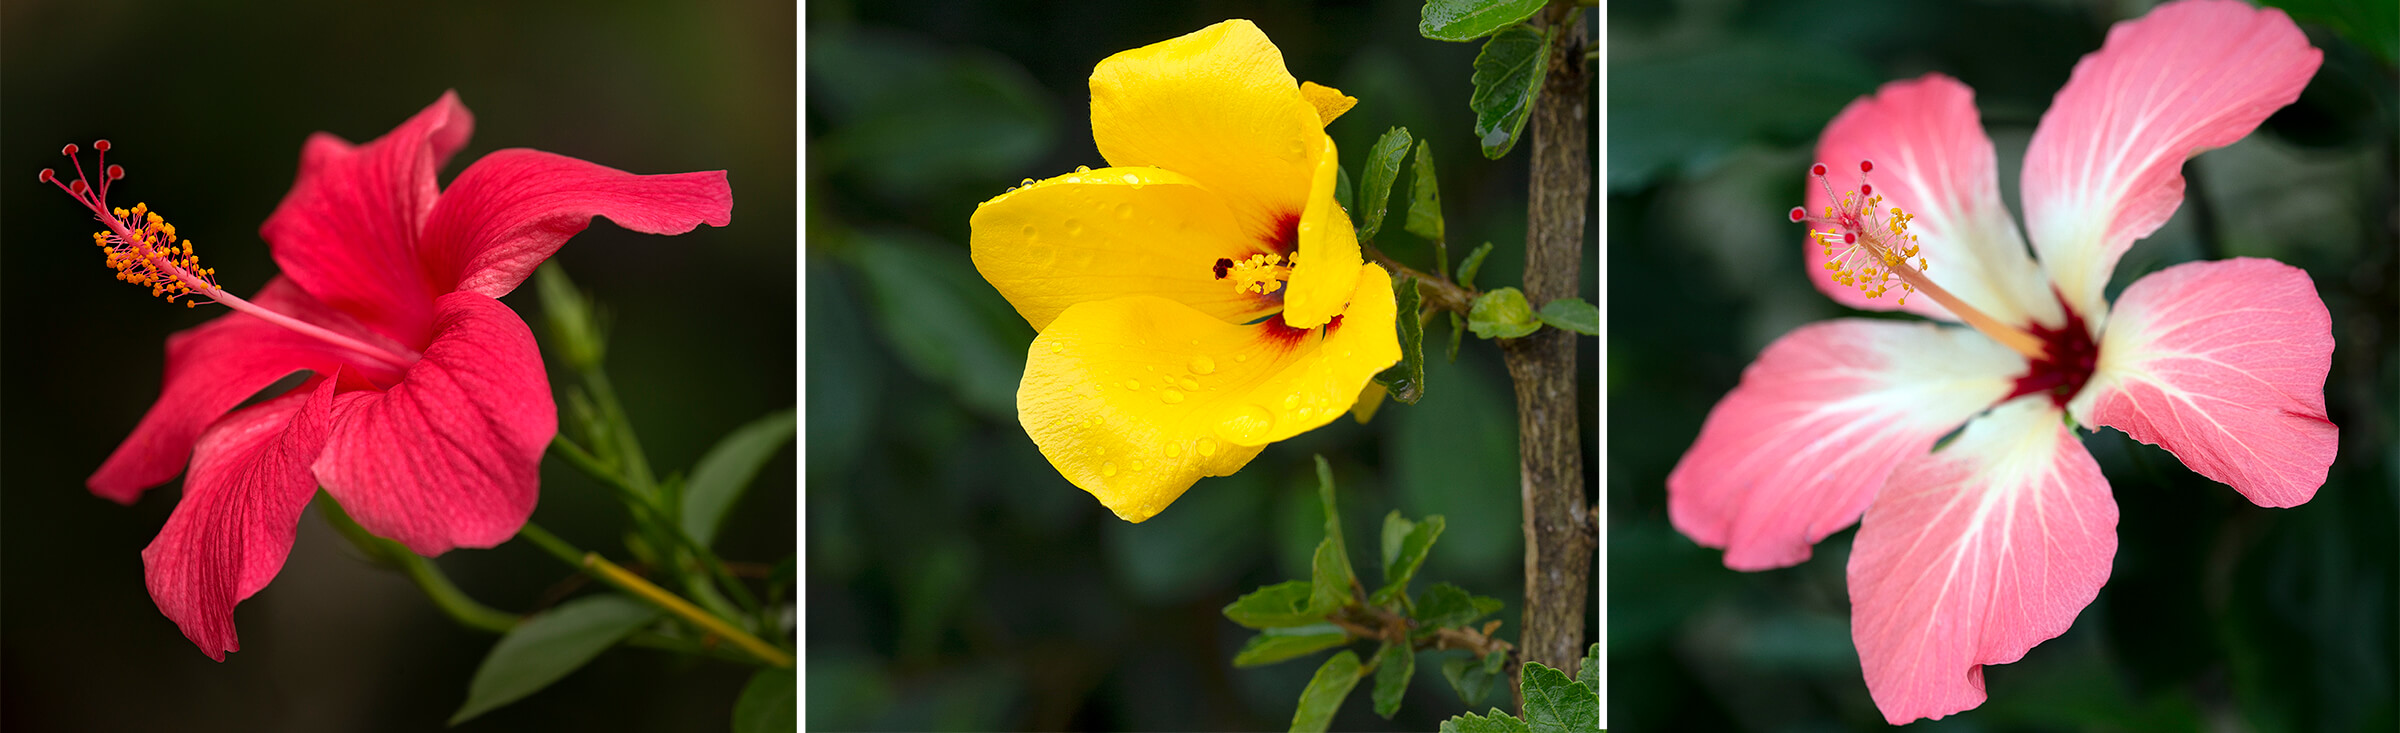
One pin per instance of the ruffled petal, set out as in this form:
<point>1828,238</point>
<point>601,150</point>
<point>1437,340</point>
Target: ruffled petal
<point>240,510</point>
<point>1933,160</point>
<point>1219,106</point>
<point>213,368</point>
<point>510,210</point>
<point>1975,554</point>
<point>1134,399</point>
<point>1111,233</point>
<point>347,231</point>
<point>448,457</point>
<point>2222,363</point>
<point>1797,451</point>
<point>1330,102</point>
<point>2105,166</point>
<point>1328,254</point>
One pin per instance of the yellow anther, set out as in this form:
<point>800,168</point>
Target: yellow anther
<point>1261,274</point>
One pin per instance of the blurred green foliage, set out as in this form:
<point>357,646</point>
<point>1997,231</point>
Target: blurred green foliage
<point>2218,613</point>
<point>955,580</point>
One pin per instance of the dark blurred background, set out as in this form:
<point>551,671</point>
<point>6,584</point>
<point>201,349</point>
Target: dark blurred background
<point>207,104</point>
<point>2218,614</point>
<point>954,579</point>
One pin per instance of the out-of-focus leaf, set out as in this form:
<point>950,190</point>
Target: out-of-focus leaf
<point>1455,454</point>
<point>1473,264</point>
<point>910,117</point>
<point>1329,578</point>
<point>1325,693</point>
<point>1508,75</point>
<point>548,646</point>
<point>1341,189</point>
<point>935,582</point>
<point>1399,663</point>
<point>1590,674</point>
<point>1556,704</point>
<point>1425,204</point>
<point>1406,380</point>
<point>576,334</point>
<point>1200,547</point>
<point>1449,605</point>
<point>1467,20</point>
<point>770,703</point>
<point>1491,722</point>
<point>1275,645</point>
<point>1458,332</point>
<point>1573,314</point>
<point>946,323</point>
<point>2368,23</point>
<point>1375,185</point>
<point>1687,111</point>
<point>1472,677</point>
<point>1281,604</point>
<point>1502,313</point>
<point>844,383</point>
<point>721,476</point>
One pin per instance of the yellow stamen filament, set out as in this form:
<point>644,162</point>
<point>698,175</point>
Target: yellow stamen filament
<point>1879,254</point>
<point>145,251</point>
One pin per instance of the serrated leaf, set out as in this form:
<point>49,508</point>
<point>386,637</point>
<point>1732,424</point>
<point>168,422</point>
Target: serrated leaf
<point>1573,314</point>
<point>1375,181</point>
<point>1281,604</point>
<point>1508,76</point>
<point>1401,562</point>
<point>721,476</point>
<point>1473,264</point>
<point>1325,693</point>
<point>1555,704</point>
<point>1275,645</point>
<point>1405,381</point>
<point>1492,722</point>
<point>1425,203</point>
<point>1398,663</point>
<point>1472,678</point>
<point>1449,605</point>
<point>1590,674</point>
<point>542,649</point>
<point>1502,313</point>
<point>1467,20</point>
<point>770,703</point>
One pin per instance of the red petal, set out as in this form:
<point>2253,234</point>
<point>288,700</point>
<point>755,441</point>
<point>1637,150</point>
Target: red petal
<point>448,457</point>
<point>213,368</point>
<point>1797,451</point>
<point>2223,363</point>
<point>1975,554</point>
<point>347,231</point>
<point>510,210</point>
<point>240,509</point>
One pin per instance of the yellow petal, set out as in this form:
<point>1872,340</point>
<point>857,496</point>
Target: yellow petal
<point>1219,106</point>
<point>1330,102</point>
<point>1369,401</point>
<point>1328,254</point>
<point>1109,233</point>
<point>1136,398</point>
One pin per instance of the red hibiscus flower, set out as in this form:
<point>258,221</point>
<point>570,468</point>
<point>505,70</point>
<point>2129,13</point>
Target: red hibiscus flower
<point>426,410</point>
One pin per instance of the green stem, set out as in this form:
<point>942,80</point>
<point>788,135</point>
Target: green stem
<point>599,568</point>
<point>629,448</point>
<point>652,515</point>
<point>428,577</point>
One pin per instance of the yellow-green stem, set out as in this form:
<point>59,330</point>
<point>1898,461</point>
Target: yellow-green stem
<point>592,564</point>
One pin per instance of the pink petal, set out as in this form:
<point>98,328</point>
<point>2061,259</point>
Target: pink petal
<point>448,457</point>
<point>2105,166</point>
<point>240,509</point>
<point>510,210</point>
<point>1797,451</point>
<point>1975,554</point>
<point>2223,364</point>
<point>347,231</point>
<point>211,369</point>
<point>1933,160</point>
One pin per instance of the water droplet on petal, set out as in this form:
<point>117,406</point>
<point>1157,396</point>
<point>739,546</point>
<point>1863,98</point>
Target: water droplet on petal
<point>1170,396</point>
<point>1190,384</point>
<point>1174,450</point>
<point>1291,401</point>
<point>1108,469</point>
<point>1074,228</point>
<point>1058,348</point>
<point>1241,357</point>
<point>1083,169</point>
<point>1248,423</point>
<point>1125,211</point>
<point>1203,365</point>
<point>1026,182</point>
<point>1207,447</point>
<point>1029,231</point>
<point>1133,384</point>
<point>1136,466</point>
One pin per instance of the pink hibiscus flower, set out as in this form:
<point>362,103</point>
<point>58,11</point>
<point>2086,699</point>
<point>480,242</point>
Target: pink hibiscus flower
<point>427,410</point>
<point>1972,553</point>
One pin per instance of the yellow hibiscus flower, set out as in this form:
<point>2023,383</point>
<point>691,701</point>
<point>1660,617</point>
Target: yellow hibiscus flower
<point>1201,297</point>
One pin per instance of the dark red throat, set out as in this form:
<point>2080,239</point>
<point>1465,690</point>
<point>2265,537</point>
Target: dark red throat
<point>2068,358</point>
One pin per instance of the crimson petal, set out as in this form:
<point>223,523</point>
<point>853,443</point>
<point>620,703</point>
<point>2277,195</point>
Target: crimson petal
<point>510,210</point>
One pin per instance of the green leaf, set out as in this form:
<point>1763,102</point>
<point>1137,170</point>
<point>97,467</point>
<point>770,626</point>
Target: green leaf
<point>1399,663</point>
<point>769,704</point>
<point>1501,313</point>
<point>1329,570</point>
<point>1590,674</point>
<point>1401,560</point>
<point>1508,75</point>
<point>1467,20</point>
<point>1275,645</point>
<point>1325,693</point>
<point>1405,381</point>
<point>943,320</point>
<point>1473,678</point>
<point>1497,722</point>
<point>1555,704</point>
<point>1458,332</point>
<point>1425,203</point>
<point>575,331</point>
<point>1449,605</point>
<point>720,477</point>
<point>1467,268</point>
<point>1281,604</point>
<point>1375,184</point>
<point>546,647</point>
<point>1341,189</point>
<point>1573,314</point>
